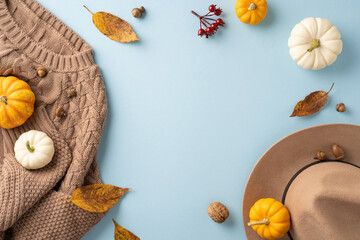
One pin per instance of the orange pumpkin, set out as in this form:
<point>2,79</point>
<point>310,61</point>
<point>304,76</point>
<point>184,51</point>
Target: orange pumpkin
<point>16,102</point>
<point>269,218</point>
<point>251,11</point>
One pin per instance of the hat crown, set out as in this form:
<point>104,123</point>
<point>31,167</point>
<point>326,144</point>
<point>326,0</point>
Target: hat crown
<point>324,202</point>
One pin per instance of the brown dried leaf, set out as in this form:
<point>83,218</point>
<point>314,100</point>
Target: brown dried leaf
<point>97,197</point>
<point>123,234</point>
<point>312,103</point>
<point>113,27</point>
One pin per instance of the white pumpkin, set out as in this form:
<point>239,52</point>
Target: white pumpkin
<point>315,43</point>
<point>34,149</point>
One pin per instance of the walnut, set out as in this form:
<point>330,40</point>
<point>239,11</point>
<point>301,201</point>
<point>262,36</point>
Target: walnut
<point>218,212</point>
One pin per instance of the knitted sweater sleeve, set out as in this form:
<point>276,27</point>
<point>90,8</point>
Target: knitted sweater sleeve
<point>67,220</point>
<point>21,189</point>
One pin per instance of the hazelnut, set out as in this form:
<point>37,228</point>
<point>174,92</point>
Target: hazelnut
<point>341,107</point>
<point>320,155</point>
<point>338,152</point>
<point>138,12</point>
<point>41,71</point>
<point>60,112</point>
<point>218,212</point>
<point>71,93</point>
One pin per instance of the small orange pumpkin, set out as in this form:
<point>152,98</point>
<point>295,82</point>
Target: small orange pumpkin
<point>251,11</point>
<point>16,102</point>
<point>269,218</point>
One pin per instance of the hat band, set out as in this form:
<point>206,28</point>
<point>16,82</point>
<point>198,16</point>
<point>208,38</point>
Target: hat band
<point>300,171</point>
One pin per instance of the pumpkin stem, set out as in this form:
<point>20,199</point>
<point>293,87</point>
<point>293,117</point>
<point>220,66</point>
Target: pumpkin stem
<point>314,44</point>
<point>30,148</point>
<point>265,221</point>
<point>88,10</point>
<point>3,99</point>
<point>252,6</point>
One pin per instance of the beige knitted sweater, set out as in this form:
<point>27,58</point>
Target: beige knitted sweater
<point>31,205</point>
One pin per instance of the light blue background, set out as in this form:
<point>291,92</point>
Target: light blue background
<point>189,117</point>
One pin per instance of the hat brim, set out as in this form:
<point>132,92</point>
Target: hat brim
<point>275,168</point>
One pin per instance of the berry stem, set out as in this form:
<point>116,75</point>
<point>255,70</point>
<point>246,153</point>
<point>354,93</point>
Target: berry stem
<point>209,25</point>
<point>205,21</point>
<point>209,19</point>
<point>195,14</point>
<point>209,14</point>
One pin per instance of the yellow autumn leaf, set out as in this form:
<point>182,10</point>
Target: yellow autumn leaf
<point>97,197</point>
<point>312,103</point>
<point>113,27</point>
<point>122,233</point>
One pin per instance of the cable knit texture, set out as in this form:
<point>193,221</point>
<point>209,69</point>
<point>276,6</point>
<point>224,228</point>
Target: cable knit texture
<point>31,205</point>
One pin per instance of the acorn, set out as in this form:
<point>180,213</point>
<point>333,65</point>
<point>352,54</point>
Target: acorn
<point>338,152</point>
<point>320,155</point>
<point>60,112</point>
<point>138,12</point>
<point>41,71</point>
<point>71,93</point>
<point>341,107</point>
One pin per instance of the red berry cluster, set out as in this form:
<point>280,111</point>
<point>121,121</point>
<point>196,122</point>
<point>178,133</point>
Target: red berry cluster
<point>210,28</point>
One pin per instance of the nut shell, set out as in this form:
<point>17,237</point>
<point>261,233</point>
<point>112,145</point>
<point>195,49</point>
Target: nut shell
<point>218,212</point>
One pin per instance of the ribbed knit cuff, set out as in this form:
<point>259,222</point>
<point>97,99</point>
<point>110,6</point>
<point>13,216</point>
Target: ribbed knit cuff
<point>37,52</point>
<point>67,222</point>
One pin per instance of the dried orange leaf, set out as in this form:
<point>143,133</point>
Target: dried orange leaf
<point>97,197</point>
<point>113,27</point>
<point>312,103</point>
<point>123,234</point>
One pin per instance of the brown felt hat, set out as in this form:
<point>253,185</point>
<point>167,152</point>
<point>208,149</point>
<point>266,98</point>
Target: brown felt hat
<point>323,197</point>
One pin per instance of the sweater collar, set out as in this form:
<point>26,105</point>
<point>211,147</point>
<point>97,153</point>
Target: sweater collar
<point>81,59</point>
